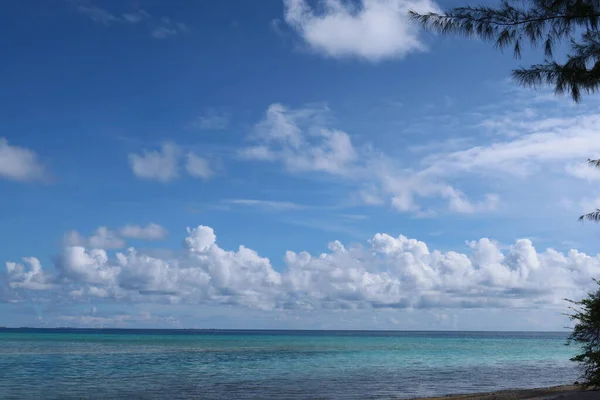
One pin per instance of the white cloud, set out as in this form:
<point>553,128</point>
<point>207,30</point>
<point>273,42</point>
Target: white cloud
<point>32,278</point>
<point>281,137</point>
<point>158,28</point>
<point>538,141</point>
<point>165,165</point>
<point>159,165</point>
<point>168,28</point>
<point>301,141</point>
<point>369,29</point>
<point>149,232</point>
<point>388,272</point>
<point>583,170</point>
<point>19,163</point>
<point>459,203</point>
<point>98,15</point>
<point>198,167</point>
<point>212,119</point>
<point>276,205</point>
<point>262,153</point>
<point>136,16</point>
<point>103,238</point>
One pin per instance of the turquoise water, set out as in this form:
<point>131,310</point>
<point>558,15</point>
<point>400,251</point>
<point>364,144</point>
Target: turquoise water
<point>68,364</point>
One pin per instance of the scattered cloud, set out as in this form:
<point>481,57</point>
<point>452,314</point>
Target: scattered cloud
<point>459,203</point>
<point>151,231</point>
<point>104,238</point>
<point>387,272</point>
<point>537,141</point>
<point>159,28</point>
<point>354,217</point>
<point>212,119</point>
<point>32,278</point>
<point>136,16</point>
<point>280,137</point>
<point>274,205</point>
<point>301,140</point>
<point>169,28</point>
<point>368,29</point>
<point>98,15</point>
<point>198,167</point>
<point>165,165</point>
<point>158,165</point>
<point>19,163</point>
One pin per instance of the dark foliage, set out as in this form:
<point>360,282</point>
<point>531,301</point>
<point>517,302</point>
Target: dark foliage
<point>586,333</point>
<point>541,23</point>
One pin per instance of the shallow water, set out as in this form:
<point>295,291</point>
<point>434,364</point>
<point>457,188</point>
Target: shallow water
<point>140,364</point>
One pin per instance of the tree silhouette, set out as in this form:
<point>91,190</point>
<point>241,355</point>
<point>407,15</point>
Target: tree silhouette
<point>542,23</point>
<point>586,333</point>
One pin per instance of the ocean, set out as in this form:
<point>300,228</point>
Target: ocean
<point>188,364</point>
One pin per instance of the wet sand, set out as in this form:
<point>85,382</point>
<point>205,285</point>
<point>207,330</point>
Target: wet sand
<point>552,393</point>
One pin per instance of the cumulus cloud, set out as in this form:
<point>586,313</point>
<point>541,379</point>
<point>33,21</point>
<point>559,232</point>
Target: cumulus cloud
<point>280,137</point>
<point>369,29</point>
<point>19,163</point>
<point>151,231</point>
<point>32,278</point>
<point>386,272</point>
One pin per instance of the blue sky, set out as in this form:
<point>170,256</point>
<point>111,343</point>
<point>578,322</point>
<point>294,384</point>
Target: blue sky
<point>378,176</point>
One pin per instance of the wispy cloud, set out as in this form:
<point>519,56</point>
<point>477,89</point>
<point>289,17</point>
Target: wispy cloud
<point>168,28</point>
<point>212,119</point>
<point>354,217</point>
<point>302,141</point>
<point>105,238</point>
<point>159,28</point>
<point>98,15</point>
<point>274,205</point>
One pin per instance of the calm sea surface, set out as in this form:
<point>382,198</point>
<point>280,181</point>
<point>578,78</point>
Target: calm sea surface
<point>111,364</point>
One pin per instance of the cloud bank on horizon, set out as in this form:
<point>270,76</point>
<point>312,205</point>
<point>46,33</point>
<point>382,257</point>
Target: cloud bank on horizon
<point>386,273</point>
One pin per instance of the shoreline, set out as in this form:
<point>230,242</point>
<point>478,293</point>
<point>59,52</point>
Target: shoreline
<point>562,392</point>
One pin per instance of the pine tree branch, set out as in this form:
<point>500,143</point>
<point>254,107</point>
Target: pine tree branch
<point>593,216</point>
<point>594,163</point>
<point>450,17</point>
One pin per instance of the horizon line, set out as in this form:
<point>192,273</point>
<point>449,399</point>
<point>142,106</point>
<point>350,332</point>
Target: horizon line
<point>278,330</point>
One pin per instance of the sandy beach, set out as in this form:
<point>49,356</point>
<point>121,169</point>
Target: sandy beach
<point>558,392</point>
